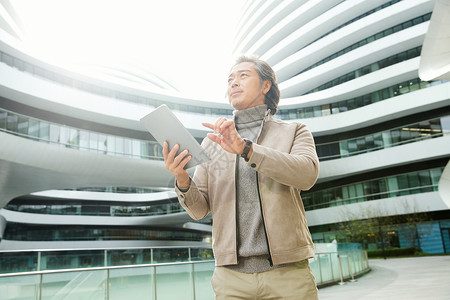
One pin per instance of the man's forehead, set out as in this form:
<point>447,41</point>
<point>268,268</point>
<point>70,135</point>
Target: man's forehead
<point>242,67</point>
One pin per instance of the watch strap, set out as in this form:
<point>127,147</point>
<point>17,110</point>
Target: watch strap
<point>247,146</point>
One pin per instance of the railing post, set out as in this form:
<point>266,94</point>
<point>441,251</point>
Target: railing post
<point>108,277</point>
<point>105,260</point>
<point>320,268</point>
<point>193,279</point>
<point>154,282</point>
<point>41,286</point>
<point>340,271</point>
<point>350,269</point>
<point>38,261</point>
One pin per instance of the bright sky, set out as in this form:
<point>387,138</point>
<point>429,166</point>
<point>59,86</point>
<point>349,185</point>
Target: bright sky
<point>188,43</point>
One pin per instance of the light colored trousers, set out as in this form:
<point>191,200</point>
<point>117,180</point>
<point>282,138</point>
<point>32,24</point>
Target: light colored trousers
<point>293,281</point>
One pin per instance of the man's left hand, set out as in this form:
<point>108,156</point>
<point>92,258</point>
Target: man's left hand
<point>226,135</point>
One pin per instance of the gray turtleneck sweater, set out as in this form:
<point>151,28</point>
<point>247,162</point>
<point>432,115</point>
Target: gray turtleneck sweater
<point>253,252</point>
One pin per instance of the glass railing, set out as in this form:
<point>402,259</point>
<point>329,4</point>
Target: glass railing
<point>157,280</point>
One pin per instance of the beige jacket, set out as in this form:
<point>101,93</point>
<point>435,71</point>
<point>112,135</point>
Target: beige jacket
<point>285,158</point>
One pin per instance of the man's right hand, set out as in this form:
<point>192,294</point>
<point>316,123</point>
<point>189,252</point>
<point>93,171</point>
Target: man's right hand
<point>176,164</point>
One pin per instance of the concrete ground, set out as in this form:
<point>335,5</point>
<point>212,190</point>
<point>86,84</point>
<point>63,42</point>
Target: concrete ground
<point>421,278</point>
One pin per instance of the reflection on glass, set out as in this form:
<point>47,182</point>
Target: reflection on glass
<point>132,284</point>
<point>76,285</point>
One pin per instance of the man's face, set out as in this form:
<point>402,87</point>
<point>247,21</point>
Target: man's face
<point>244,87</point>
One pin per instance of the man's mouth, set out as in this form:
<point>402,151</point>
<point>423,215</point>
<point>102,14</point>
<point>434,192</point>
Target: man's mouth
<point>235,93</point>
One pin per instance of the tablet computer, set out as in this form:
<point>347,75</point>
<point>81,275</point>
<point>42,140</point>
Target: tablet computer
<point>163,125</point>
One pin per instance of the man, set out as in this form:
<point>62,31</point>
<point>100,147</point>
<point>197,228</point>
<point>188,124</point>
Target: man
<point>252,186</point>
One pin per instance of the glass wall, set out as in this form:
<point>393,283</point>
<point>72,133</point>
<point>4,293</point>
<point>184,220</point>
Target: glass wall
<point>113,145</point>
<point>372,38</point>
<point>386,62</point>
<point>94,208</point>
<point>356,102</point>
<point>285,114</point>
<point>42,232</point>
<point>79,139</point>
<point>409,133</point>
<point>379,188</point>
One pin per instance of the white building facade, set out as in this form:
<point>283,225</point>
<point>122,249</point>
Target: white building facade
<point>73,151</point>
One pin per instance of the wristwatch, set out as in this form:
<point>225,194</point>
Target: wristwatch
<point>248,145</point>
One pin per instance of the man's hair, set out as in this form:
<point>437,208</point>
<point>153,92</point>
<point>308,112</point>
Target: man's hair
<point>265,72</point>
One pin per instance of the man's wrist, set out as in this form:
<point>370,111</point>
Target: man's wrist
<point>248,150</point>
<point>184,185</point>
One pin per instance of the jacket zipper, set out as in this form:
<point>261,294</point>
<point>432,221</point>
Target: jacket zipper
<point>259,198</point>
<point>236,208</point>
<point>264,223</point>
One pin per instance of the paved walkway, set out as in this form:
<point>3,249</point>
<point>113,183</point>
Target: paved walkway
<point>421,278</point>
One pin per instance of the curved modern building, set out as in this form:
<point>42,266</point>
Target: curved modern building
<point>78,170</point>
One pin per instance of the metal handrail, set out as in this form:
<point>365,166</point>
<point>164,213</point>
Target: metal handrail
<point>43,272</point>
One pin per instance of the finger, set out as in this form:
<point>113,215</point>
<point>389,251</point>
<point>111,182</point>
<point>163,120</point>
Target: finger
<point>165,150</point>
<point>219,123</point>
<point>214,138</point>
<point>227,124</point>
<point>208,125</point>
<point>180,157</point>
<point>184,162</point>
<point>172,152</point>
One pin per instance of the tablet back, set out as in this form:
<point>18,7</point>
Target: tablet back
<point>163,125</point>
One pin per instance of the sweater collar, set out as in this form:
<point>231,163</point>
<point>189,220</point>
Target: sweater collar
<point>250,115</point>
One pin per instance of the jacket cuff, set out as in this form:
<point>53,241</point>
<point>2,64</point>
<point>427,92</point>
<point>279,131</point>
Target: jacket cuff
<point>256,158</point>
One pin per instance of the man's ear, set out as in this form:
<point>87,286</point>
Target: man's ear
<point>267,84</point>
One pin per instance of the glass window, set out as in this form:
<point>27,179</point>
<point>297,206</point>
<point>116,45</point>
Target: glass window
<point>136,148</point>
<point>11,122</point>
<point>126,147</point>
<point>414,183</point>
<point>326,110</point>
<point>119,146</point>
<point>33,128</point>
<point>54,133</point>
<point>317,111</point>
<point>93,141</point>
<point>22,125</point>
<point>7,59</point>
<point>64,136</point>
<point>403,185</point>
<point>308,112</point>
<point>3,118</point>
<point>111,145</point>
<point>74,138</point>
<point>44,130</point>
<point>445,125</point>
<point>84,140</point>
<point>425,181</point>
<point>102,143</point>
<point>435,175</point>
